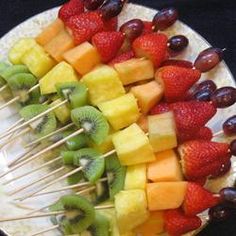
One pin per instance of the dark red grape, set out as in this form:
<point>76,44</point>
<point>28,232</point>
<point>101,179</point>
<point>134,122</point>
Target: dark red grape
<point>111,8</point>
<point>219,213</point>
<point>178,43</point>
<point>229,126</point>
<point>232,147</point>
<point>165,18</point>
<point>180,63</point>
<point>93,4</point>
<point>132,29</point>
<point>225,168</point>
<point>206,85</point>
<point>203,95</point>
<point>224,97</point>
<point>208,59</point>
<point>228,195</point>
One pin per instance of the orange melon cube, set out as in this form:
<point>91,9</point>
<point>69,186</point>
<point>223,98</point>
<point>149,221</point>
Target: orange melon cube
<point>153,226</point>
<point>83,57</point>
<point>165,168</point>
<point>58,45</point>
<point>165,195</point>
<point>143,123</point>
<point>148,95</point>
<point>50,32</point>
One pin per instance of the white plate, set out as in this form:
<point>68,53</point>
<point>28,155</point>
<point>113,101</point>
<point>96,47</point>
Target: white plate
<point>30,28</point>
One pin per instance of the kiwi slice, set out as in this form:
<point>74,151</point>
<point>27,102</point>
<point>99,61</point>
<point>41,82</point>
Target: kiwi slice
<point>115,174</point>
<point>101,193</point>
<point>68,157</point>
<point>75,178</point>
<point>92,121</point>
<point>3,66</point>
<point>42,126</point>
<point>100,227</point>
<point>20,84</point>
<point>92,162</point>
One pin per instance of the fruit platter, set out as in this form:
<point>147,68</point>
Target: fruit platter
<point>116,120</point>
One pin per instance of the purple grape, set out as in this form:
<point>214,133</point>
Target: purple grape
<point>232,147</point>
<point>178,43</point>
<point>219,213</point>
<point>228,195</point>
<point>93,4</point>
<point>229,126</point>
<point>111,8</point>
<point>203,95</point>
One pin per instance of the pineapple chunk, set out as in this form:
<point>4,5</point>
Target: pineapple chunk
<point>19,49</point>
<point>135,70</point>
<point>38,62</point>
<point>59,45</point>
<point>62,72</point>
<point>104,84</point>
<point>121,112</point>
<point>62,112</point>
<point>83,58</point>
<point>131,209</point>
<point>132,146</point>
<point>136,177</point>
<point>165,195</point>
<point>165,168</point>
<point>50,32</point>
<point>148,95</point>
<point>162,131</point>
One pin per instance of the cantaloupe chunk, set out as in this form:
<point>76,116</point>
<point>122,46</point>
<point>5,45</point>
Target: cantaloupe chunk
<point>147,95</point>
<point>59,45</point>
<point>165,168</point>
<point>135,70</point>
<point>143,123</point>
<point>136,177</point>
<point>50,32</point>
<point>165,195</point>
<point>83,57</point>
<point>153,226</point>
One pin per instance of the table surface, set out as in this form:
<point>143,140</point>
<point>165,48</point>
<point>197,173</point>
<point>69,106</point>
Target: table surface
<point>213,19</point>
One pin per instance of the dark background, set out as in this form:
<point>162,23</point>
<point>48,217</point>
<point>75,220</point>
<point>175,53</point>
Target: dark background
<point>215,20</point>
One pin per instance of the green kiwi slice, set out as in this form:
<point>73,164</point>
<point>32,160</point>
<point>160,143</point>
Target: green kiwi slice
<point>115,174</point>
<point>92,121</point>
<point>3,66</point>
<point>75,178</point>
<point>100,227</point>
<point>101,193</point>
<point>92,162</point>
<point>42,126</point>
<point>12,70</point>
<point>68,157</point>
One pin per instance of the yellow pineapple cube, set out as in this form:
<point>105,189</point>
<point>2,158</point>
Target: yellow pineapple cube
<point>62,72</point>
<point>19,49</point>
<point>121,112</point>
<point>131,209</point>
<point>162,131</point>
<point>148,95</point>
<point>132,146</point>
<point>38,61</point>
<point>136,177</point>
<point>104,84</point>
<point>135,70</point>
<point>62,112</point>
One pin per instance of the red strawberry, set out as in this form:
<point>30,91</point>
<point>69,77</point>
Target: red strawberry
<point>148,27</point>
<point>85,26</point>
<point>122,57</point>
<point>108,44</point>
<point>177,224</point>
<point>201,181</point>
<point>152,46</point>
<point>160,108</point>
<point>111,25</point>
<point>177,81</point>
<point>180,63</point>
<point>198,199</point>
<point>201,158</point>
<point>71,8</point>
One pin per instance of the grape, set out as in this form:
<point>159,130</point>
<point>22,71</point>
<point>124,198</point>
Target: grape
<point>165,18</point>
<point>180,63</point>
<point>224,97</point>
<point>111,8</point>
<point>203,95</point>
<point>132,29</point>
<point>93,4</point>
<point>223,170</point>
<point>206,85</point>
<point>178,43</point>
<point>208,59</point>
<point>229,126</point>
<point>232,147</point>
<point>228,195</point>
<point>219,213</point>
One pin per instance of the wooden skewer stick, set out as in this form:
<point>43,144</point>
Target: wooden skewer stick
<point>53,146</point>
<point>3,87</point>
<point>14,124</point>
<point>50,135</point>
<point>33,119</point>
<point>218,133</point>
<point>45,230</point>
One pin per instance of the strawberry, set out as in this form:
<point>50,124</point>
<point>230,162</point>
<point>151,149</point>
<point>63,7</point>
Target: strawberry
<point>152,46</point>
<point>148,27</point>
<point>201,181</point>
<point>108,44</point>
<point>71,8</point>
<point>122,57</point>
<point>201,158</point>
<point>177,81</point>
<point>160,108</point>
<point>198,199</point>
<point>111,25</point>
<point>85,26</point>
<point>177,224</point>
<point>180,63</point>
